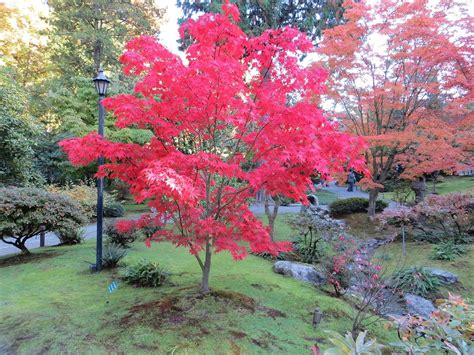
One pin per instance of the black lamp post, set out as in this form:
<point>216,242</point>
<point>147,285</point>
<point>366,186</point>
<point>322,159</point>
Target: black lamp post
<point>101,83</point>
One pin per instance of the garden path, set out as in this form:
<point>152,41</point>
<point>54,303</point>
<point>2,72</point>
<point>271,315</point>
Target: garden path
<point>90,230</point>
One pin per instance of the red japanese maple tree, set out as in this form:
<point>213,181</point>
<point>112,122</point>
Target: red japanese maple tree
<point>401,75</point>
<point>237,117</point>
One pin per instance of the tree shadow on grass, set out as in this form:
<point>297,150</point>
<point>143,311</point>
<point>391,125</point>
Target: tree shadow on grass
<point>29,258</point>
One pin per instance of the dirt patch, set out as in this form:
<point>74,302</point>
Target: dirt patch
<point>236,298</point>
<point>235,348</point>
<point>334,313</point>
<point>265,288</point>
<point>265,341</point>
<point>29,258</point>
<point>273,313</point>
<point>191,313</point>
<point>188,310</point>
<point>237,334</point>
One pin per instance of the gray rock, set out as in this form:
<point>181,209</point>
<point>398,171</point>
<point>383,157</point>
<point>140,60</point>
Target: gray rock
<point>417,305</point>
<point>299,271</point>
<point>445,276</point>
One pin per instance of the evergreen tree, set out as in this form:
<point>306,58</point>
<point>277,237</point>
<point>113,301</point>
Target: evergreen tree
<point>256,16</point>
<point>90,33</point>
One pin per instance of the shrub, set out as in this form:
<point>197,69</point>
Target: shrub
<point>24,210</point>
<point>308,249</point>
<point>85,193</point>
<point>315,228</point>
<point>111,255</point>
<point>338,267</point>
<point>119,237</point>
<point>114,209</point>
<point>146,274</point>
<point>447,331</point>
<point>347,344</point>
<point>437,219</point>
<point>147,231</point>
<point>121,189</point>
<point>70,236</point>
<point>417,280</point>
<point>448,251</point>
<point>280,256</point>
<point>354,205</point>
<point>446,217</point>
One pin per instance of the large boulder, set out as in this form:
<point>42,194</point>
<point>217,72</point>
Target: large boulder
<point>299,271</point>
<point>445,276</point>
<point>417,305</point>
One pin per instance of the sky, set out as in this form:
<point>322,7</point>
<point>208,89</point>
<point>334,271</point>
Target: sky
<point>169,30</point>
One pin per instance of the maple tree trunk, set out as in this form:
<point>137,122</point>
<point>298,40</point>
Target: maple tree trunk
<point>271,215</point>
<point>419,188</point>
<point>372,202</point>
<point>206,269</point>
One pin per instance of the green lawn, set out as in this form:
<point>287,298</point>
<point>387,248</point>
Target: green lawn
<point>51,303</point>
<point>282,230</point>
<point>455,184</point>
<point>418,254</point>
<point>131,208</point>
<point>447,185</point>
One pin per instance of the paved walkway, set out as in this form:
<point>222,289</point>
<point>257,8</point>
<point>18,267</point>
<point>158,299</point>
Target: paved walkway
<point>90,230</point>
<point>342,193</point>
<point>50,239</point>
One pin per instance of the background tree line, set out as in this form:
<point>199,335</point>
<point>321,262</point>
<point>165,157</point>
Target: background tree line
<point>48,59</point>
<point>46,93</point>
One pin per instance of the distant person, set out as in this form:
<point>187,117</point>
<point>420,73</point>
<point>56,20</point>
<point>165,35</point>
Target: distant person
<point>351,179</point>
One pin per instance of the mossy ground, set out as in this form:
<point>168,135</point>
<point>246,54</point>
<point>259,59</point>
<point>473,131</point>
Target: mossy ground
<point>419,254</point>
<point>51,304</point>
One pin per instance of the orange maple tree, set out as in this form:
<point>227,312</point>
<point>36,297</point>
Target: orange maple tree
<point>401,77</point>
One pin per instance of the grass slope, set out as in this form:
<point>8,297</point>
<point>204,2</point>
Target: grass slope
<point>418,254</point>
<point>51,303</point>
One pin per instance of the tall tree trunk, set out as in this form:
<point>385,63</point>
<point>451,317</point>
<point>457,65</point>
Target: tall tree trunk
<point>206,269</point>
<point>271,214</point>
<point>372,202</point>
<point>419,188</point>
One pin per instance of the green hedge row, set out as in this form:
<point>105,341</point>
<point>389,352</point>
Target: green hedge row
<point>353,205</point>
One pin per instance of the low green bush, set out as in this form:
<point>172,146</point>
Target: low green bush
<point>448,251</point>
<point>354,205</point>
<point>85,193</point>
<point>70,236</point>
<point>308,250</point>
<point>146,274</point>
<point>114,209</point>
<point>25,211</point>
<point>119,238</point>
<point>348,345</point>
<point>417,280</point>
<point>111,255</point>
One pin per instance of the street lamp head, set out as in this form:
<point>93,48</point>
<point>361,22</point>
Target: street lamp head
<point>101,82</point>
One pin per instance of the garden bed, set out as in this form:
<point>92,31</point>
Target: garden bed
<point>64,308</point>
